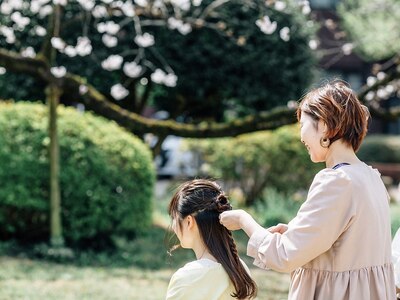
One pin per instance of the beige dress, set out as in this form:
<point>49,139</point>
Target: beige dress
<point>339,244</point>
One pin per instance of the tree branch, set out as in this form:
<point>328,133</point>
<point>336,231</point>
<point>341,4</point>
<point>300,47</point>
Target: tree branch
<point>95,101</point>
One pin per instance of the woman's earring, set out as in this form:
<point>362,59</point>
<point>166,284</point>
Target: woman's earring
<point>324,142</point>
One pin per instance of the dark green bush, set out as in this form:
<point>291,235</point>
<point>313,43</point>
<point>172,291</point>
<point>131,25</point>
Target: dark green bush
<point>252,162</point>
<point>380,149</point>
<point>106,176</point>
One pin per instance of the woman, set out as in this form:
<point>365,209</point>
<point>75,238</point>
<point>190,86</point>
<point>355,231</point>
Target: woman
<point>339,244</point>
<point>218,273</point>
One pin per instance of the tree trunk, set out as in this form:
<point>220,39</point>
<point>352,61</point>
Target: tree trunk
<point>56,236</point>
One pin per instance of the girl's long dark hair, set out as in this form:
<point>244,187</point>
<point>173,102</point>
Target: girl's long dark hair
<point>204,200</point>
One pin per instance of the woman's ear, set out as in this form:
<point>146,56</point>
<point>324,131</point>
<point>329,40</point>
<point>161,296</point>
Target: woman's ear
<point>323,127</point>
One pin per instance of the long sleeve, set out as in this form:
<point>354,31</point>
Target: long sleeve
<point>322,218</point>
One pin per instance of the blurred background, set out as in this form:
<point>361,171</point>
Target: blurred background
<point>107,106</point>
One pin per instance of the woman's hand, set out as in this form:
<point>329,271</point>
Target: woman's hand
<point>232,219</point>
<point>239,219</point>
<point>280,228</point>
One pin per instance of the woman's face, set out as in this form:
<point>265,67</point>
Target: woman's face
<point>311,132</point>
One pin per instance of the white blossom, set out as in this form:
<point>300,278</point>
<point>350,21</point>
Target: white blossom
<point>181,4</point>
<point>2,71</point>
<point>70,51</point>
<point>119,92</point>
<point>58,72</point>
<point>113,62</point>
<point>45,11</point>
<point>280,5</point>
<point>58,43</point>
<point>284,33</point>
<point>347,48</point>
<point>158,76</point>
<point>39,30</point>
<point>107,1</point>
<point>132,69</point>
<point>381,75</point>
<point>170,80</point>
<point>108,27</point>
<point>6,8</point>
<point>60,2</point>
<point>19,20</point>
<point>99,11</point>
<point>109,40</point>
<point>145,40</point>
<point>8,33</point>
<point>382,94</point>
<point>313,44</point>
<point>35,6</point>
<point>87,4</point>
<point>389,89</point>
<point>292,104</point>
<point>371,81</point>
<point>266,25</point>
<point>185,28</point>
<point>142,3</point>
<point>128,9</point>
<point>83,89</point>
<point>196,2</point>
<point>83,46</point>
<point>178,24</point>
<point>28,52</point>
<point>306,9</point>
<point>370,96</point>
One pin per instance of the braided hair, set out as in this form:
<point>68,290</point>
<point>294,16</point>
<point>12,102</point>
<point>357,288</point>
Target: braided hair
<point>205,200</point>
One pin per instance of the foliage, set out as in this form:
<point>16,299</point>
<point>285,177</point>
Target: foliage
<point>380,149</point>
<point>106,176</point>
<point>219,58</point>
<point>275,207</point>
<point>255,161</point>
<point>242,74</point>
<point>373,25</point>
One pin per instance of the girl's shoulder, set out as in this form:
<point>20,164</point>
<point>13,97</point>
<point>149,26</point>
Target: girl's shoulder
<point>198,267</point>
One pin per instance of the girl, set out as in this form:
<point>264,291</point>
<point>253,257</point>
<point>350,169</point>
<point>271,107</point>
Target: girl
<point>218,273</point>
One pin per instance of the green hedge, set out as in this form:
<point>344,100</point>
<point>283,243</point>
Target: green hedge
<point>253,162</point>
<point>380,149</point>
<point>106,177</point>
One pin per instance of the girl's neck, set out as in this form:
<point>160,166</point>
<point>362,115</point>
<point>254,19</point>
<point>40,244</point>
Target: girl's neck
<point>202,253</point>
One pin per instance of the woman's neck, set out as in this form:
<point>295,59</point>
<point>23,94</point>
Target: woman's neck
<point>340,153</point>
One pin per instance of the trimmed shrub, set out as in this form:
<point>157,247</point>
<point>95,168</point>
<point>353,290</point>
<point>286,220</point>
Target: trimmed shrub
<point>252,162</point>
<point>106,176</point>
<point>380,149</point>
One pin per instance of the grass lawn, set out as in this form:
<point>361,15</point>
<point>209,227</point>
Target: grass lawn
<point>22,278</point>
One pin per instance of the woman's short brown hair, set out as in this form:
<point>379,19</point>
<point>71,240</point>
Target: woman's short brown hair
<point>336,104</point>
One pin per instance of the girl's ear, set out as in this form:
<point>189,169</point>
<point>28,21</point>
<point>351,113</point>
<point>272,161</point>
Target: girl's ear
<point>190,222</point>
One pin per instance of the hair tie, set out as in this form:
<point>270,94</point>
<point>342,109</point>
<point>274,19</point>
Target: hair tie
<point>222,203</point>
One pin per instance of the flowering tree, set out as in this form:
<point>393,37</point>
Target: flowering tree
<point>105,53</point>
<point>374,31</point>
